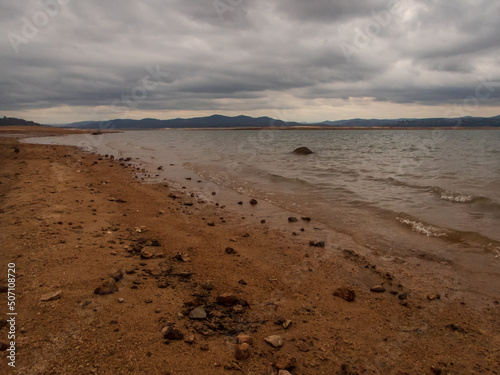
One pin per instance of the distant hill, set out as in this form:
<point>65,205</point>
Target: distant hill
<point>461,122</point>
<point>219,121</point>
<point>12,121</point>
<point>215,121</point>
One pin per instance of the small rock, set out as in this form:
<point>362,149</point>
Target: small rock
<point>207,285</point>
<point>108,287</point>
<point>188,203</point>
<point>284,372</point>
<point>345,293</point>
<point>292,219</point>
<point>306,218</point>
<point>285,362</point>
<point>227,299</point>
<point>51,296</point>
<point>121,300</point>
<point>242,351</point>
<point>302,151</point>
<point>149,300</point>
<point>232,239</point>
<point>190,339</point>
<point>237,309</point>
<point>117,276</point>
<point>211,224</point>
<point>287,324</point>
<point>274,340</point>
<point>230,250</point>
<point>253,201</point>
<point>158,310</point>
<point>198,313</point>
<point>304,347</point>
<point>244,338</point>
<point>204,347</point>
<point>145,254</point>
<point>432,297</point>
<point>377,289</point>
<point>242,282</point>
<point>240,202</point>
<point>317,244</point>
<point>172,333</point>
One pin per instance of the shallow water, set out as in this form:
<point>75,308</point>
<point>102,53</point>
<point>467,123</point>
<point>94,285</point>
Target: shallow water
<point>376,185</point>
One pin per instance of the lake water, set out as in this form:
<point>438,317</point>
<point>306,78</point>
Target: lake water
<point>389,189</point>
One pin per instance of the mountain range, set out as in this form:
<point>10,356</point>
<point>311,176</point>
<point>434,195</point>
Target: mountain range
<point>219,121</point>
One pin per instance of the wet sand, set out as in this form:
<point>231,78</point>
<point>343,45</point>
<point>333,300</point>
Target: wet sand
<point>70,220</point>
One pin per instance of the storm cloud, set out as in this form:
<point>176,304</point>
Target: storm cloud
<point>67,60</point>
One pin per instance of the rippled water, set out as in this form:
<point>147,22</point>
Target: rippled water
<point>443,184</point>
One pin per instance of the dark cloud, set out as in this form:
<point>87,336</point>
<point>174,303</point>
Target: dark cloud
<point>245,56</point>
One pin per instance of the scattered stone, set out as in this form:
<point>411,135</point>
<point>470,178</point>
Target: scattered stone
<point>237,309</point>
<point>51,296</point>
<point>287,324</point>
<point>306,218</point>
<point>263,221</point>
<point>172,333</point>
<point>285,362</point>
<point>188,203</point>
<point>304,347</point>
<point>455,328</point>
<point>292,219</point>
<point>302,151</point>
<point>244,338</point>
<point>158,310</point>
<point>432,297</point>
<point>240,202</point>
<point>345,293</point>
<point>275,341</point>
<point>242,351</point>
<point>121,300</point>
<point>204,347</point>
<point>149,300</point>
<point>211,224</point>
<point>145,254</point>
<point>182,257</point>
<point>227,299</point>
<point>317,244</point>
<point>117,276</point>
<point>377,289</point>
<point>253,201</point>
<point>108,287</point>
<point>230,250</point>
<point>198,313</point>
<point>208,285</point>
<point>85,303</point>
<point>190,339</point>
<point>242,282</point>
<point>16,150</point>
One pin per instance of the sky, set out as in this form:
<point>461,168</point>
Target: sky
<point>295,60</point>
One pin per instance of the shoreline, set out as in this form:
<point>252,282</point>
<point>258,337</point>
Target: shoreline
<point>68,216</point>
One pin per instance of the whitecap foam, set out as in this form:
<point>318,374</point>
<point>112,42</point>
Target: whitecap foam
<point>424,228</point>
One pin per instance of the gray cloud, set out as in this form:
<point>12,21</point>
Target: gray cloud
<point>246,56</point>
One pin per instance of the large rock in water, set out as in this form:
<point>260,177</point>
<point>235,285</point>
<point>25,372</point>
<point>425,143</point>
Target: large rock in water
<point>302,151</point>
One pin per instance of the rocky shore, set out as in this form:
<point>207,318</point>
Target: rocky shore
<point>115,276</point>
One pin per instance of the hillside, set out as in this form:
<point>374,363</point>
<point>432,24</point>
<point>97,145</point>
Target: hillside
<point>12,121</point>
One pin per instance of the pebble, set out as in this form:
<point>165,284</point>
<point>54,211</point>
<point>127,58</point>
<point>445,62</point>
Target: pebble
<point>198,313</point>
<point>190,339</point>
<point>157,310</point>
<point>121,300</point>
<point>292,219</point>
<point>285,362</point>
<point>287,324</point>
<point>432,297</point>
<point>253,201</point>
<point>227,299</point>
<point>306,218</point>
<point>242,351</point>
<point>244,338</point>
<point>274,340</point>
<point>172,333</point>
<point>108,287</point>
<point>377,289</point>
<point>145,254</point>
<point>237,309</point>
<point>51,296</point>
<point>345,293</point>
<point>284,372</point>
<point>230,250</point>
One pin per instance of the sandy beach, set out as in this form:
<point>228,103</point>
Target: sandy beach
<point>115,276</point>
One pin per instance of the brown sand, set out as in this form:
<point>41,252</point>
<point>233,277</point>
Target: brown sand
<point>69,220</point>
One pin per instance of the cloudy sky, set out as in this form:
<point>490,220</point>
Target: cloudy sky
<point>297,60</point>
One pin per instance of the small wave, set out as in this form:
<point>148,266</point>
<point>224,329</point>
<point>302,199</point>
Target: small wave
<point>428,229</point>
<point>456,197</point>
